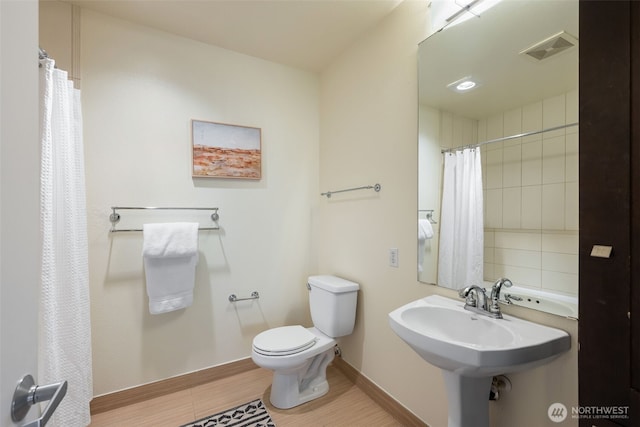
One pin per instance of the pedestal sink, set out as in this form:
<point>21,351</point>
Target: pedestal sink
<point>471,349</point>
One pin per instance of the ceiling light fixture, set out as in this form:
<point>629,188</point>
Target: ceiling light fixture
<point>462,85</point>
<point>468,9</point>
<point>466,85</point>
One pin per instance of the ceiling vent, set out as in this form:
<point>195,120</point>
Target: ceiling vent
<point>553,45</point>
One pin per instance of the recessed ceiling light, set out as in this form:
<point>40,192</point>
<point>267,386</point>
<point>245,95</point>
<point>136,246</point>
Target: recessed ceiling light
<point>464,84</point>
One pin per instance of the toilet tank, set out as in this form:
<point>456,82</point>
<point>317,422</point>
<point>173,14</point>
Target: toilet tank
<point>333,304</point>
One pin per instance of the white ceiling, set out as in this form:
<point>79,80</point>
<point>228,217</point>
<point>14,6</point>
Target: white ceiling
<point>488,49</point>
<point>306,34</point>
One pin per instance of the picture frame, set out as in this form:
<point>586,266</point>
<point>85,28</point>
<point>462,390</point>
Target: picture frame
<point>221,150</point>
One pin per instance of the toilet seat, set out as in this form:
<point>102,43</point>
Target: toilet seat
<point>284,341</point>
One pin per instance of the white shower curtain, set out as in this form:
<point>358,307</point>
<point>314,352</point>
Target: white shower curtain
<point>460,261</point>
<point>65,329</point>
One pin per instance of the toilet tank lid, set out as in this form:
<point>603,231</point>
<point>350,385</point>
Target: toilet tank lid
<point>333,284</point>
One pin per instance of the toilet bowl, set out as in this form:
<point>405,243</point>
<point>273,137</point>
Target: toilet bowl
<point>299,356</point>
<point>299,373</point>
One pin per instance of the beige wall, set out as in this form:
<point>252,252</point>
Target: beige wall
<point>369,124</point>
<point>369,134</point>
<point>140,89</point>
<point>20,241</point>
<point>59,33</point>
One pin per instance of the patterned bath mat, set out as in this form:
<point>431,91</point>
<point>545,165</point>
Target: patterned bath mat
<point>251,414</point>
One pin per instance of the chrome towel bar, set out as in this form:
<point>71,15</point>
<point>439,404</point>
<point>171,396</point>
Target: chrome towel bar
<point>114,218</point>
<point>376,187</point>
<point>234,298</point>
<point>428,215</point>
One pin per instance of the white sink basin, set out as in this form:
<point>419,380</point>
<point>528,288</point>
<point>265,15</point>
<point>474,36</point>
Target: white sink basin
<point>471,348</point>
<point>446,335</point>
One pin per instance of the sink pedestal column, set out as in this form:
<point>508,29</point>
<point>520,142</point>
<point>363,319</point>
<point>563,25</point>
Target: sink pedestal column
<point>468,400</point>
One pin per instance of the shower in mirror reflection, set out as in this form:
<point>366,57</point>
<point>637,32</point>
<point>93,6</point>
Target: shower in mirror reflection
<point>527,133</point>
<point>461,257</point>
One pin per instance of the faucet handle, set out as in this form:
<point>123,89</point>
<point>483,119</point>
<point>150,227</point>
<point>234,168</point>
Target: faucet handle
<point>469,298</point>
<point>508,298</point>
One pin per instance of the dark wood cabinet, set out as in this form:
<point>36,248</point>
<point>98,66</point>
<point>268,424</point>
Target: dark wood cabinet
<point>609,325</point>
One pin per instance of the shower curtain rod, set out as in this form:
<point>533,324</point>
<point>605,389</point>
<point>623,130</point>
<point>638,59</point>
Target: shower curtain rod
<point>506,138</point>
<point>42,54</point>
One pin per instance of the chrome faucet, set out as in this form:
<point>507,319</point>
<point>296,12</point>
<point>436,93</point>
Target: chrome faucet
<point>476,298</point>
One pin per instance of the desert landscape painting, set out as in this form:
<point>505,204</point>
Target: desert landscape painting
<point>226,151</point>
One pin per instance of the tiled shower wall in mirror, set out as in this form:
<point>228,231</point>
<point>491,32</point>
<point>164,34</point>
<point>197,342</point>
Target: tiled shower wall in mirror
<point>530,191</point>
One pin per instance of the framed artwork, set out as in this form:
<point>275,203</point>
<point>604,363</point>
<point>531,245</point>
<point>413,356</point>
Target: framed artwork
<point>221,150</point>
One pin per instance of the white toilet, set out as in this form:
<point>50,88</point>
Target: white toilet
<point>299,356</point>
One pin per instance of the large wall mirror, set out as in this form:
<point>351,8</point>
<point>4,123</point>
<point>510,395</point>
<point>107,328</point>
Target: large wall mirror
<point>522,115</point>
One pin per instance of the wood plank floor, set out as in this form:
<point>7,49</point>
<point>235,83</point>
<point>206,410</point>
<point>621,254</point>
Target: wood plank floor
<point>344,405</point>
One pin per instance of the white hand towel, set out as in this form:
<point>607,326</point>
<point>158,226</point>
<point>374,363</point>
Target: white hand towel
<point>170,240</point>
<point>425,230</point>
<point>170,253</point>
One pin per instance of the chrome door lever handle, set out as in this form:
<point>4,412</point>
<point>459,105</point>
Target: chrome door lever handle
<point>27,394</point>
